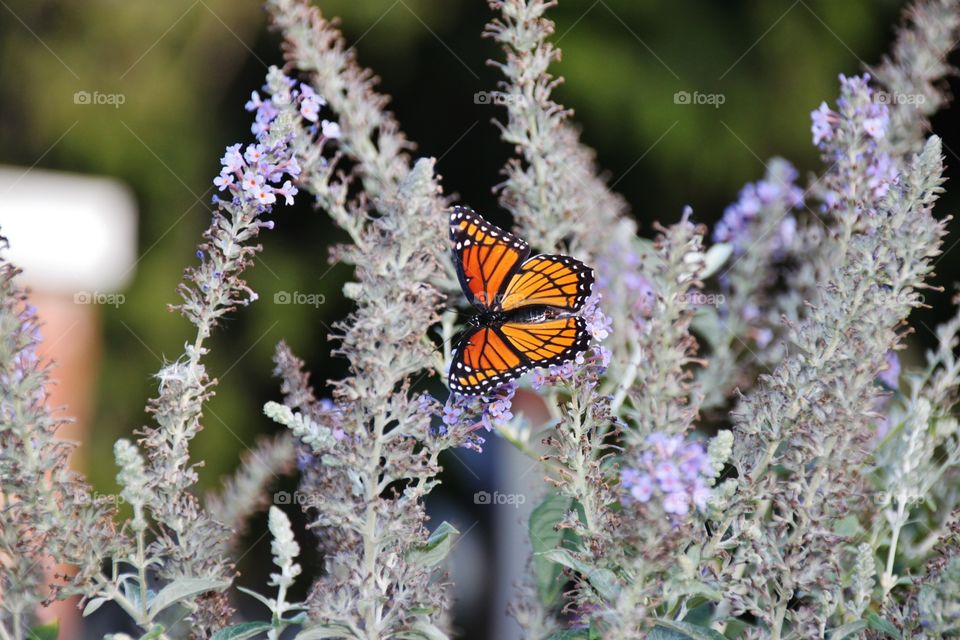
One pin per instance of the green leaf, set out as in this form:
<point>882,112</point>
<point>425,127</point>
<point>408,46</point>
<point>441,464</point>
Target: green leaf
<point>423,630</point>
<point>706,324</point>
<point>48,631</point>
<point>93,604</point>
<point>181,590</point>
<point>877,623</point>
<point>848,527</point>
<point>155,632</point>
<point>716,257</point>
<point>571,634</point>
<point>437,547</point>
<point>603,580</point>
<point>267,602</point>
<point>847,630</point>
<point>674,630</point>
<point>324,631</point>
<point>544,536</point>
<point>242,631</point>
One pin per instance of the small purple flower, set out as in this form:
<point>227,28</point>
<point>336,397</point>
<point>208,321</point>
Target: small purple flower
<point>265,196</point>
<point>642,490</point>
<point>288,191</point>
<point>604,355</point>
<point>252,181</point>
<point>891,375</point>
<point>232,160</point>
<point>451,414</point>
<point>668,476</point>
<point>701,494</point>
<point>824,120</point>
<point>876,120</point>
<point>763,337</point>
<point>537,379</point>
<point>254,102</point>
<point>881,174</point>
<point>310,103</point>
<point>253,153</point>
<point>677,502</point>
<point>329,129</point>
<point>497,410</point>
<point>224,180</point>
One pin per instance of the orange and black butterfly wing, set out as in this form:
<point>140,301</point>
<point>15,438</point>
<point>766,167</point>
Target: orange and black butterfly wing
<point>486,257</point>
<point>483,361</point>
<point>490,356</point>
<point>547,343</point>
<point>556,281</point>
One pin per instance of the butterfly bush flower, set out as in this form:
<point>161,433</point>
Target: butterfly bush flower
<point>675,472</point>
<point>249,176</point>
<point>598,324</point>
<point>762,230</point>
<point>255,173</point>
<point>777,190</point>
<point>467,414</point>
<point>861,117</point>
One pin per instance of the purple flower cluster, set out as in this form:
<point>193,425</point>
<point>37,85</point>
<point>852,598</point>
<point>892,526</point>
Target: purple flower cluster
<point>671,470</point>
<point>619,277</point>
<point>327,414</point>
<point>251,176</point>
<point>302,96</point>
<point>467,414</point>
<point>592,365</point>
<point>23,341</point>
<point>778,189</point>
<point>254,174</point>
<point>863,115</point>
<point>598,324</point>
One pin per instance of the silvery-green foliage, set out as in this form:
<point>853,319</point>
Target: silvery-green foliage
<point>48,515</point>
<point>248,491</point>
<point>374,441</point>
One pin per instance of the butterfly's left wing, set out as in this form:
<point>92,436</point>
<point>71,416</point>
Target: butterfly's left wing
<point>487,357</point>
<point>556,281</point>
<point>483,361</point>
<point>486,257</point>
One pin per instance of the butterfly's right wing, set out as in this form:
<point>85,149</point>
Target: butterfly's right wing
<point>552,280</point>
<point>552,342</point>
<point>486,257</point>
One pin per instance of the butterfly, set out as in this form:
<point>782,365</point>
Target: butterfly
<point>527,306</point>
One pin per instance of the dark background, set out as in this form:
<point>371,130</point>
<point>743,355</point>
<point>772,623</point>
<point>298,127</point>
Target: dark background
<point>186,67</point>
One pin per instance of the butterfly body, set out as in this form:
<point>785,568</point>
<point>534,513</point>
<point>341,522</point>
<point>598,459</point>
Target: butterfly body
<point>526,306</point>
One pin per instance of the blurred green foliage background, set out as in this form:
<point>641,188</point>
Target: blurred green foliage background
<point>186,67</point>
